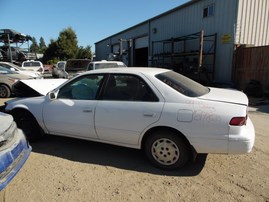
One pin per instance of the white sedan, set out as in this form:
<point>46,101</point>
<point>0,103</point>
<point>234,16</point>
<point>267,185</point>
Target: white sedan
<point>162,112</point>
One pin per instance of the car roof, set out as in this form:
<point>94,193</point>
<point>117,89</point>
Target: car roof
<point>105,61</point>
<point>131,70</point>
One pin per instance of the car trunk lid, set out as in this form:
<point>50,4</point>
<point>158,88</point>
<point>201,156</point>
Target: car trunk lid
<point>226,95</point>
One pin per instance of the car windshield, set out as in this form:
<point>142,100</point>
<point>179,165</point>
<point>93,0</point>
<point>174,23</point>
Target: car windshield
<point>76,65</point>
<point>61,65</point>
<point>182,84</point>
<point>4,70</point>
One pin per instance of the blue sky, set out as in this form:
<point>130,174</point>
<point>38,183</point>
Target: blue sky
<point>92,21</point>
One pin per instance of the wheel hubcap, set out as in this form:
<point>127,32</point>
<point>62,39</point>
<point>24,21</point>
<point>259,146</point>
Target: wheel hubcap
<point>3,92</point>
<point>165,151</point>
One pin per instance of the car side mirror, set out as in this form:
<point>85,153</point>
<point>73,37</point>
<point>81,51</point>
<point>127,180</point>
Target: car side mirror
<point>12,69</point>
<point>52,95</point>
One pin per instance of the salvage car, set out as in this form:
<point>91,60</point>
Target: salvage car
<point>75,66</point>
<point>33,65</point>
<point>14,149</point>
<point>7,79</point>
<point>169,116</point>
<point>58,70</point>
<point>103,64</point>
<point>20,70</point>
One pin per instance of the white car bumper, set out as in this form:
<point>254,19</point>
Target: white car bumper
<point>241,139</point>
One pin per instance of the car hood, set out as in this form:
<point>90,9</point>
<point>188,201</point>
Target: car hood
<point>5,121</point>
<point>32,88</point>
<point>226,95</point>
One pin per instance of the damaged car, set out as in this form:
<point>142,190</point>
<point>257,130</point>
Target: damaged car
<point>14,149</point>
<point>7,79</point>
<point>169,116</point>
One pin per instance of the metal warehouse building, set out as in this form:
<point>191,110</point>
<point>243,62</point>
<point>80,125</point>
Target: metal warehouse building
<point>199,36</point>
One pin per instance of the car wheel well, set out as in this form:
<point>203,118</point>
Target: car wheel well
<point>20,110</point>
<point>5,85</point>
<point>33,131</point>
<point>163,128</point>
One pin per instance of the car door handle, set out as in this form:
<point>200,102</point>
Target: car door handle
<point>87,110</point>
<point>149,114</point>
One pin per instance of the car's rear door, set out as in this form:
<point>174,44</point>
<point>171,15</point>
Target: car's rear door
<point>128,106</point>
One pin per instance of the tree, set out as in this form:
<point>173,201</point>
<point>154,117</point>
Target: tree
<point>42,45</point>
<point>84,53</point>
<point>34,48</point>
<point>67,44</point>
<point>51,52</point>
<point>65,47</point>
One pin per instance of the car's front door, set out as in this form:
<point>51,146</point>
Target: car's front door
<point>72,112</point>
<point>128,107</point>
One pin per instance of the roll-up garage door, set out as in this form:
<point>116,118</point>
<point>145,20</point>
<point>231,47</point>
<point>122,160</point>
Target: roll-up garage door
<point>141,52</point>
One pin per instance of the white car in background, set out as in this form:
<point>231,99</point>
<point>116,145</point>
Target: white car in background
<point>20,70</point>
<point>103,64</point>
<point>33,65</point>
<point>169,116</point>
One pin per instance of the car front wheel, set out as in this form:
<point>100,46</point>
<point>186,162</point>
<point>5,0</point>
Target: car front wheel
<point>167,150</point>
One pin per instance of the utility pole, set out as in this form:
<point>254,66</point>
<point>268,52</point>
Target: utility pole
<point>9,48</point>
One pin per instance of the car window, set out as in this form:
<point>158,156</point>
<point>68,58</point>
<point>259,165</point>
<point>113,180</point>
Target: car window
<point>76,65</point>
<point>6,71</point>
<point>61,65</point>
<point>90,66</point>
<point>5,65</point>
<point>183,84</point>
<point>31,64</point>
<point>128,88</point>
<point>105,65</point>
<point>82,88</point>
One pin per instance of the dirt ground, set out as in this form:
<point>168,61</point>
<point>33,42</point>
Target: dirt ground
<point>65,169</point>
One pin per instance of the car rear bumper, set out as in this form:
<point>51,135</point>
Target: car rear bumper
<point>12,158</point>
<point>241,139</point>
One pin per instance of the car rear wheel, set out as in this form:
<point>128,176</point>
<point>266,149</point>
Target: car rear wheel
<point>167,150</point>
<point>5,92</point>
<point>28,124</point>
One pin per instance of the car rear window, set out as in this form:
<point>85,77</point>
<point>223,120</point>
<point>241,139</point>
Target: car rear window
<point>31,64</point>
<point>182,84</point>
<point>106,65</point>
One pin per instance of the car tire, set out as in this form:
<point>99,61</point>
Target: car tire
<point>5,92</point>
<point>167,150</point>
<point>26,121</point>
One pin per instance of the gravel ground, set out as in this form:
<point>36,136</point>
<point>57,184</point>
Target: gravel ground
<point>65,169</point>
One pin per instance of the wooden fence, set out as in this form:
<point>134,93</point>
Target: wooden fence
<point>251,63</point>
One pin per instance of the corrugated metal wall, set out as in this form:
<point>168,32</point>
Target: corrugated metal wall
<point>103,48</point>
<point>190,20</point>
<point>253,22</point>
<point>234,21</point>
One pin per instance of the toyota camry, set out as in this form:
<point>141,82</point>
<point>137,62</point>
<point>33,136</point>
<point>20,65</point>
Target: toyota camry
<point>167,115</point>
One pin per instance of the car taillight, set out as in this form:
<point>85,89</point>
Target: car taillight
<point>238,121</point>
